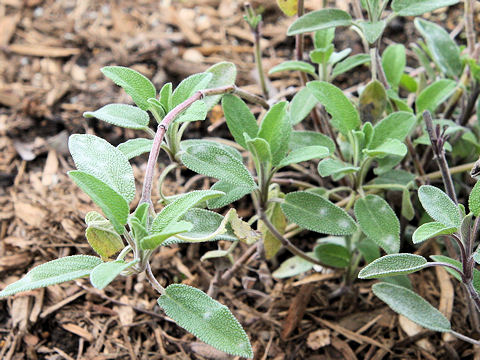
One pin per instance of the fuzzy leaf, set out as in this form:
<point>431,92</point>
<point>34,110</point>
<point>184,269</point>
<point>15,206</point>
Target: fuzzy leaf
<point>334,167</point>
<point>412,306</point>
<point>431,230</point>
<point>300,139</point>
<point>104,273</point>
<point>455,274</point>
<point>112,204</point>
<point>127,116</point>
<point>379,222</point>
<point>332,254</point>
<point>372,102</point>
<point>197,111</point>
<point>439,206</point>
<point>393,62</point>
<point>318,20</point>
<point>389,147</point>
<point>53,272</point>
<point>391,265</point>
<point>213,161</point>
<point>419,7</point>
<point>157,238</point>
<point>369,250</point>
<point>165,96</point>
<point>315,213</point>
<point>185,144</point>
<point>350,63</point>
<point>294,65</point>
<point>135,84</point>
<point>239,119</point>
<point>434,95</point>
<point>260,150</point>
<point>372,30</point>
<point>135,147</point>
<point>189,86</point>
<point>97,157</point>
<point>292,267</point>
<point>304,154</point>
<point>205,318</point>
<point>301,105</point>
<point>344,116</point>
<point>408,211</point>
<point>474,200</point>
<point>232,193</point>
<point>224,74</point>
<point>102,237</point>
<point>395,126</point>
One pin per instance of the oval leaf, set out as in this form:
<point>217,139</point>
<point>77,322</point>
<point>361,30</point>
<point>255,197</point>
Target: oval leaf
<point>232,193</point>
<point>434,95</point>
<point>239,119</point>
<point>224,74</point>
<point>419,7</point>
<point>318,20</point>
<point>135,147</point>
<point>391,265</point>
<point>334,255</point>
<point>106,272</point>
<point>430,230</point>
<point>304,154</point>
<point>294,65</point>
<point>439,206</point>
<point>349,63</point>
<point>293,267</point>
<point>205,318</point>
<point>393,62</point>
<point>127,116</point>
<point>299,139</point>
<point>395,126</point>
<point>301,105</point>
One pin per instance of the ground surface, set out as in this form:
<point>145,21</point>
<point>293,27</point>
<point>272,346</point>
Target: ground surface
<point>50,56</point>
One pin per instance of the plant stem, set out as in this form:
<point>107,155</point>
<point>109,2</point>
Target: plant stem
<point>465,338</point>
<point>439,263</point>
<point>299,37</point>
<point>155,284</point>
<point>454,170</point>
<point>469,26</point>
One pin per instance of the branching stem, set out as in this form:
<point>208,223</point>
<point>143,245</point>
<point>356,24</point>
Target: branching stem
<point>155,284</point>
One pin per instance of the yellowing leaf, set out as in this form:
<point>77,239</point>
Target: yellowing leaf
<point>289,7</point>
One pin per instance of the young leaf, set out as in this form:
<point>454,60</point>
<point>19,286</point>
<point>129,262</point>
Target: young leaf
<point>318,20</point>
<point>335,167</point>
<point>369,250</point>
<point>97,157</point>
<point>101,235</point>
<point>408,83</point>
<point>112,204</point>
<point>196,142</point>
<point>408,211</point>
<point>165,96</point>
<point>197,111</point>
<point>301,105</point>
<point>127,116</point>
<point>419,7</point>
<point>300,139</point>
<point>372,30</point>
<point>260,149</point>
<point>157,108</point>
<point>213,161</point>
<point>350,63</point>
<point>189,86</point>
<point>443,49</point>
<point>391,265</point>
<point>292,267</point>
<point>344,116</point>
<point>294,65</point>
<point>135,84</point>
<point>232,193</point>
<point>155,239</point>
<point>379,222</point>
<point>239,119</point>
<point>412,306</point>
<point>474,200</point>
<point>315,213</point>
<point>334,255</point>
<point>135,147</point>
<point>393,62</point>
<point>224,74</point>
<point>304,154</point>
<point>104,273</point>
<point>53,272</point>
<point>431,230</point>
<point>205,318</point>
<point>395,126</point>
<point>275,129</point>
<point>389,147</point>
<point>372,102</point>
<point>439,206</point>
<point>434,95</point>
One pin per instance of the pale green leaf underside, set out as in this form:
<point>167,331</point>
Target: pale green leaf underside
<point>329,167</point>
<point>431,230</point>
<point>150,242</point>
<point>104,273</point>
<point>112,204</point>
<point>316,213</point>
<point>224,74</point>
<point>391,265</point>
<point>97,157</point>
<point>127,116</point>
<point>304,154</point>
<point>372,30</point>
<point>197,111</point>
<point>349,63</point>
<point>53,272</point>
<point>232,193</point>
<point>439,206</point>
<point>389,147</point>
<point>205,318</point>
<point>185,144</point>
<point>293,65</point>
<point>412,306</point>
<point>135,147</point>
<point>419,7</point>
<point>293,266</point>
<point>319,20</point>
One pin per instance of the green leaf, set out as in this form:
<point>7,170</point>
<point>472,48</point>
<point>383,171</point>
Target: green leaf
<point>195,142</point>
<point>372,30</point>
<point>232,193</point>
<point>379,222</point>
<point>300,139</point>
<point>224,74</point>
<point>239,119</point>
<point>474,200</point>
<point>443,49</point>
<point>335,167</point>
<point>350,63</point>
<point>393,62</point>
<point>189,86</point>
<point>431,230</point>
<point>135,147</point>
<point>304,154</point>
<point>455,274</point>
<point>113,205</point>
<point>205,318</point>
<point>408,83</point>
<point>334,255</point>
<point>339,56</point>
<point>101,235</point>
<point>301,105</point>
<point>176,209</point>
<point>99,158</point>
<point>439,206</point>
<point>412,306</point>
<point>389,147</point>
<point>104,273</point>
<point>288,7</point>
<point>210,160</point>
<point>369,250</point>
<point>318,20</point>
<point>434,95</point>
<point>197,111</point>
<point>321,56</point>
<point>275,129</point>
<point>155,239</point>
<point>53,272</point>
<point>372,102</point>
<point>135,84</point>
<point>271,243</point>
<point>399,177</point>
<point>315,213</point>
<point>395,126</point>
<point>408,212</point>
<point>391,265</point>
<point>294,65</point>
<point>399,280</point>
<point>292,267</point>
<point>157,108</point>
<point>165,96</point>
<point>323,38</point>
<point>419,7</point>
<point>344,116</point>
<point>127,116</point>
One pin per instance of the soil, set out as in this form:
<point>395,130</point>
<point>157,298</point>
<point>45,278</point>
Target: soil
<point>51,53</point>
